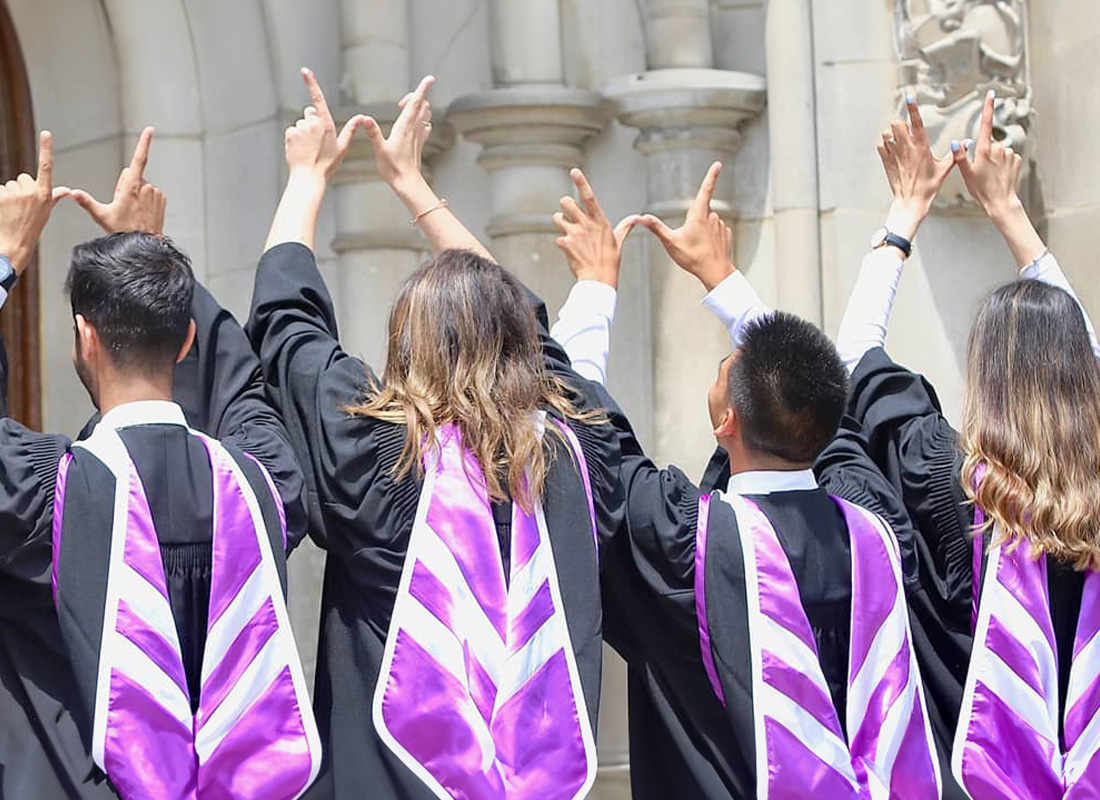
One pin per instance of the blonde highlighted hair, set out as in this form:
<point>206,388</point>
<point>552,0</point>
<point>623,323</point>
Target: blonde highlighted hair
<point>464,350</point>
<point>1031,423</point>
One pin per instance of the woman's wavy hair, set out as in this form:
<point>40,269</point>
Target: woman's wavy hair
<point>1031,423</point>
<point>464,350</point>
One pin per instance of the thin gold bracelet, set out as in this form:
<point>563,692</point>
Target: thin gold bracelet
<point>416,220</point>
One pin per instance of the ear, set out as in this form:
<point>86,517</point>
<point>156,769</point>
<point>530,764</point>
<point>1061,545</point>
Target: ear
<point>729,427</point>
<point>187,343</point>
<point>85,334</point>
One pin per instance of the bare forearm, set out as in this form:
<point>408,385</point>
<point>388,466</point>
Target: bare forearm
<point>442,228</point>
<point>1020,235</point>
<point>296,217</point>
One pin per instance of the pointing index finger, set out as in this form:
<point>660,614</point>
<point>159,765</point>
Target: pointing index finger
<point>45,160</point>
<point>141,155</point>
<point>985,131</point>
<point>588,196</point>
<point>701,206</point>
<point>422,89</point>
<point>316,96</point>
<point>916,121</point>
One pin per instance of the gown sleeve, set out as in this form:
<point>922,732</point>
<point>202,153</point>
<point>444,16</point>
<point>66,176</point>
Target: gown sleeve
<point>845,469</point>
<point>662,511</point>
<point>599,439</point>
<point>292,327</point>
<point>915,447</point>
<point>28,474</point>
<point>221,391</point>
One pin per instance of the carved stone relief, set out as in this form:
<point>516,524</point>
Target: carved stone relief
<point>952,52</point>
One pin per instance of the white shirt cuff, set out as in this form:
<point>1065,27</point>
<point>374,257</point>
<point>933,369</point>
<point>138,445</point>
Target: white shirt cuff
<point>3,296</point>
<point>868,313</point>
<point>583,328</point>
<point>736,304</point>
<point>590,297</point>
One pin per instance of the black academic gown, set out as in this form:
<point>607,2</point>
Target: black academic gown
<point>44,733</point>
<point>683,743</point>
<point>918,451</point>
<point>364,517</point>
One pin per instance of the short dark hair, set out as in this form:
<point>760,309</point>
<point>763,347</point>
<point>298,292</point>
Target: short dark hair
<point>789,388</point>
<point>136,291</point>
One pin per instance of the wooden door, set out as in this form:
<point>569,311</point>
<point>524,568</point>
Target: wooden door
<point>19,153</point>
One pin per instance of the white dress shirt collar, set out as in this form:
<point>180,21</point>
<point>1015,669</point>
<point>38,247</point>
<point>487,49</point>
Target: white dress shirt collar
<point>758,482</point>
<point>144,412</point>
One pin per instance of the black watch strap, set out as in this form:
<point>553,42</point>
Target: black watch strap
<point>8,275</point>
<point>900,242</point>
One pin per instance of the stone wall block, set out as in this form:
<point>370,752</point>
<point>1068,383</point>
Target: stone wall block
<point>157,70</point>
<point>234,66</point>
<point>525,42</point>
<point>678,34</point>
<point>75,90</point>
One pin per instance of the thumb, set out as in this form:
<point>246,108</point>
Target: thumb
<point>658,228</point>
<point>59,194</point>
<point>88,203</point>
<point>374,132</point>
<point>944,167</point>
<point>959,152</point>
<point>343,141</point>
<point>623,229</point>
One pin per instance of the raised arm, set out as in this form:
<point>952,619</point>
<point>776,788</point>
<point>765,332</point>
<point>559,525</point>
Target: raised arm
<point>397,158</point>
<point>28,460</point>
<point>702,247</point>
<point>915,176</point>
<point>593,250</point>
<point>992,178</point>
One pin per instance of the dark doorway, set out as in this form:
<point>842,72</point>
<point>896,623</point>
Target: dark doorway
<point>19,153</point>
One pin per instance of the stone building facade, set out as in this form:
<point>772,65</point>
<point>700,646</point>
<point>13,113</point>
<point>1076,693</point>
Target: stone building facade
<point>644,94</point>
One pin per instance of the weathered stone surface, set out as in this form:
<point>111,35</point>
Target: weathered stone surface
<point>951,55</point>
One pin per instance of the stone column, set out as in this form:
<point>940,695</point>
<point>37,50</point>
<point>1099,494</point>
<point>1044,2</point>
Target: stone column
<point>677,34</point>
<point>376,246</point>
<point>531,135</point>
<point>532,129</point>
<point>688,118</point>
<point>794,174</point>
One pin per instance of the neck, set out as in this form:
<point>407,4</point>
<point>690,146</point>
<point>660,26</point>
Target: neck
<point>746,461</point>
<point>119,389</point>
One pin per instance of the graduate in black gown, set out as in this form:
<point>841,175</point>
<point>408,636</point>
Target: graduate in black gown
<point>1030,409</point>
<point>788,390</point>
<point>48,669</point>
<point>420,519</point>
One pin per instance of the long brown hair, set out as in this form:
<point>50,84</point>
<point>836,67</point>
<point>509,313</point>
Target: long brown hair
<point>464,350</point>
<point>1031,423</point>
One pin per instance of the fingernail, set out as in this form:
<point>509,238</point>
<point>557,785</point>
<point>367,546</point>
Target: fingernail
<point>991,93</point>
<point>968,143</point>
<point>910,99</point>
<point>954,146</point>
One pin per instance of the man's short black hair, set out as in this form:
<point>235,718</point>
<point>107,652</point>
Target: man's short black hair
<point>136,291</point>
<point>789,388</point>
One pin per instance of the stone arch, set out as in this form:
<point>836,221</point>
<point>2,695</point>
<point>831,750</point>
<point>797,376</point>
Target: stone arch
<point>200,71</point>
<point>74,87</point>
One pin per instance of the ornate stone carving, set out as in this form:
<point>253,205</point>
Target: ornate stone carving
<point>952,52</point>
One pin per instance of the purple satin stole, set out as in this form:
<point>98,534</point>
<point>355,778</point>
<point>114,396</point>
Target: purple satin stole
<point>254,735</point>
<point>479,692</point>
<point>1007,741</point>
<point>801,750</point>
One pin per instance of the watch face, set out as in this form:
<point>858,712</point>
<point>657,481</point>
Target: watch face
<point>879,238</point>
